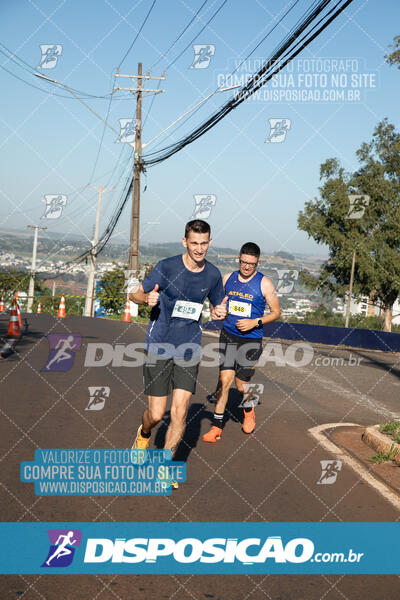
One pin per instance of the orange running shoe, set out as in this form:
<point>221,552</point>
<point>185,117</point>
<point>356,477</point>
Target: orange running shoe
<point>168,482</point>
<point>249,421</point>
<point>140,442</point>
<point>213,435</point>
<point>139,448</point>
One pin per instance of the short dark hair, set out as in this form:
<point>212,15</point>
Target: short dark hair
<point>197,226</point>
<point>250,248</point>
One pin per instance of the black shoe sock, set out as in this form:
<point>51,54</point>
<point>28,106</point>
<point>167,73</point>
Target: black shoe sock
<point>218,420</point>
<point>248,409</point>
<point>145,435</point>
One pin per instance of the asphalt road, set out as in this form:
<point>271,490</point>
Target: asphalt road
<point>268,476</point>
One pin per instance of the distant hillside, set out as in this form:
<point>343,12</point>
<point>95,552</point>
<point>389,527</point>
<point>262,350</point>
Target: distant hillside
<point>20,243</point>
<point>163,250</point>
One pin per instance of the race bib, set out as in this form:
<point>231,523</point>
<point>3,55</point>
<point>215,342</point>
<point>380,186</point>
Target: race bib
<point>187,310</point>
<point>239,309</point>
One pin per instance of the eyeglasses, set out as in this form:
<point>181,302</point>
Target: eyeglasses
<point>247,264</point>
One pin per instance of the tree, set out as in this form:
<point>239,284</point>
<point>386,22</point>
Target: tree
<point>50,304</point>
<point>379,176</point>
<point>12,281</point>
<point>112,294</point>
<point>394,57</point>
<point>326,220</point>
<point>110,290</point>
<point>374,237</point>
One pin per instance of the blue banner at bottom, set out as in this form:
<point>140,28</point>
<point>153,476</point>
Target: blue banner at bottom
<point>194,548</point>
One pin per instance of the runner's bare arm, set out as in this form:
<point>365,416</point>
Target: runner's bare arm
<point>271,298</point>
<point>141,297</point>
<point>225,279</point>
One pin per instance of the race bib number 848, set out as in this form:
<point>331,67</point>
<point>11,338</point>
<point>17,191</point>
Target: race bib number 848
<point>240,309</point>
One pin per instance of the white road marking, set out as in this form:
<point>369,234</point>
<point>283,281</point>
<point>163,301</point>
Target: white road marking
<point>359,398</point>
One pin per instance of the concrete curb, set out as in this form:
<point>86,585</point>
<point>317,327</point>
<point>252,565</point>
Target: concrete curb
<point>380,442</point>
<point>318,433</point>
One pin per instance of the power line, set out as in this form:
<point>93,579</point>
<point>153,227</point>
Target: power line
<point>31,70</point>
<point>138,33</point>
<point>103,132</point>
<point>200,32</point>
<point>276,63</point>
<point>167,51</point>
<point>151,104</point>
<point>77,192</point>
<point>286,52</point>
<point>268,34</point>
<point>176,40</point>
<point>180,35</point>
<point>191,115</point>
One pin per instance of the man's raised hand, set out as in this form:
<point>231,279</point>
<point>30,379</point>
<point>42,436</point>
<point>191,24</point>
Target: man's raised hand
<point>221,310</point>
<point>153,296</point>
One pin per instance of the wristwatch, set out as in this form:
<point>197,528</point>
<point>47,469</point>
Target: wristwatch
<point>259,323</point>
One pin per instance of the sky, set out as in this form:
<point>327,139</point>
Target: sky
<point>258,177</point>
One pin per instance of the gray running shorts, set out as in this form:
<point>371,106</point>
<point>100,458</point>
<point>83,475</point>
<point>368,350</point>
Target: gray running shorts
<point>163,374</point>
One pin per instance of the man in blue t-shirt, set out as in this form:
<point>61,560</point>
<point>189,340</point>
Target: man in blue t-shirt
<point>176,289</point>
<point>248,292</point>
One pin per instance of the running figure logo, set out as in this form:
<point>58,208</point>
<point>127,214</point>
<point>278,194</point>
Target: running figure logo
<point>127,131</point>
<point>251,395</point>
<point>278,130</point>
<point>202,55</point>
<point>98,396</point>
<point>50,55</point>
<point>286,281</point>
<point>54,206</point>
<point>330,470</point>
<point>63,543</point>
<point>62,351</point>
<point>203,205</point>
<point>357,206</point>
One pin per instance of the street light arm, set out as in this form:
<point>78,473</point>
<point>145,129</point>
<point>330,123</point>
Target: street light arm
<point>41,76</point>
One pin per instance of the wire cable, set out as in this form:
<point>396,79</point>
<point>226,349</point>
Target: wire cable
<point>104,130</point>
<point>173,131</point>
<point>295,41</point>
<point>180,35</point>
<point>200,32</point>
<point>31,70</point>
<point>138,33</point>
<point>275,64</point>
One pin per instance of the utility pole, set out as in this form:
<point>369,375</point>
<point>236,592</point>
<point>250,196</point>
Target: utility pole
<point>133,264</point>
<point>88,310</point>
<point>31,288</point>
<point>353,263</point>
<point>134,245</point>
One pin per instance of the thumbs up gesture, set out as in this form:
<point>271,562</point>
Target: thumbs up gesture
<point>153,296</point>
<point>221,310</point>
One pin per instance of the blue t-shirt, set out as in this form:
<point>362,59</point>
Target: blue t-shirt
<point>166,334</point>
<point>250,298</point>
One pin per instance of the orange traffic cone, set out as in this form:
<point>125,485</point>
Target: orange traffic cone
<point>18,311</point>
<point>127,312</point>
<point>2,307</point>
<point>61,309</point>
<point>14,329</point>
<point>39,308</point>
